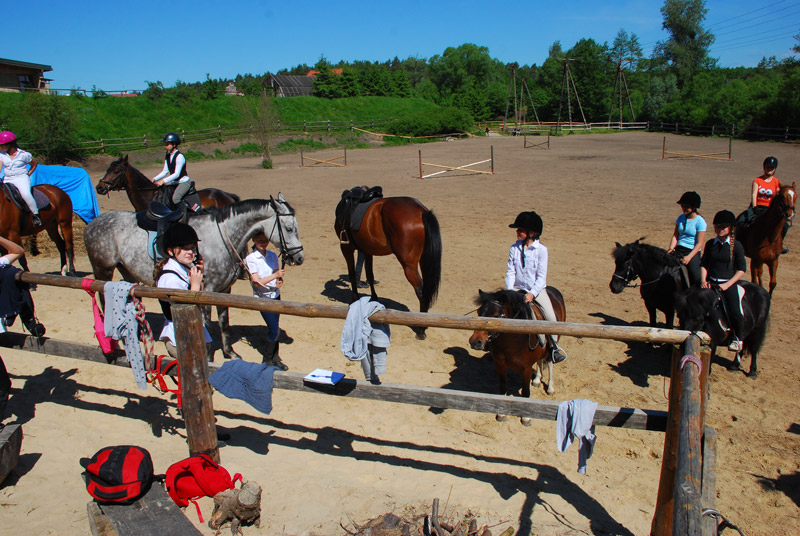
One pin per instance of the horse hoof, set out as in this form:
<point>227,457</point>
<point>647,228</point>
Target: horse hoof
<point>753,375</point>
<point>550,391</point>
<point>525,421</point>
<point>536,382</point>
<point>421,335</point>
<point>500,418</point>
<point>232,355</point>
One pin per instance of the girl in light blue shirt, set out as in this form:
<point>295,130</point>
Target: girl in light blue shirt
<point>689,236</point>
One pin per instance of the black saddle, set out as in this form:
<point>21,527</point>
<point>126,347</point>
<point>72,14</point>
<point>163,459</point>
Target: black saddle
<point>191,200</point>
<point>352,207</point>
<point>12,193</point>
<point>157,219</point>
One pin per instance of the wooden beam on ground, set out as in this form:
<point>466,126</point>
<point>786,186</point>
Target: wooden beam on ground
<point>638,419</point>
<point>155,514</point>
<point>10,445</point>
<point>46,345</point>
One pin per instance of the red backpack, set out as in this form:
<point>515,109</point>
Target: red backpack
<point>195,477</point>
<point>118,475</point>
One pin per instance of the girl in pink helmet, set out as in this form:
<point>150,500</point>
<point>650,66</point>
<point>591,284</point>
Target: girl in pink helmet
<point>15,165</point>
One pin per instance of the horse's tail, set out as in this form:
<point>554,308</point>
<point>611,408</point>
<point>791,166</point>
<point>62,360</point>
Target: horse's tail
<point>431,261</point>
<point>33,246</point>
<point>756,338</point>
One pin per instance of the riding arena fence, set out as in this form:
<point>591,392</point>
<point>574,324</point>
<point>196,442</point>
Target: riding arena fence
<point>329,161</point>
<point>686,492</point>
<point>465,168</point>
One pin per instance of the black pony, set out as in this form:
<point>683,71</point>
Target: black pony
<point>700,309</point>
<point>659,272</point>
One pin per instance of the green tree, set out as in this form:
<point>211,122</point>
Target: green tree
<point>48,123</point>
<point>626,50</point>
<point>686,50</point>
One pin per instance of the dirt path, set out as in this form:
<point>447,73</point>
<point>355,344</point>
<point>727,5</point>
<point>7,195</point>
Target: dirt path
<point>323,462</point>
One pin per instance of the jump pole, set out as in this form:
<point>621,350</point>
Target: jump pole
<point>542,144</point>
<point>329,161</point>
<point>465,167</point>
<point>667,155</point>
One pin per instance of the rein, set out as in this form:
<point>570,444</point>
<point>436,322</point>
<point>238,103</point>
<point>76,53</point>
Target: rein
<point>631,276</point>
<point>285,251</point>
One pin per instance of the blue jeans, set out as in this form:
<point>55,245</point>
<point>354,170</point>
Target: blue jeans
<point>272,320</point>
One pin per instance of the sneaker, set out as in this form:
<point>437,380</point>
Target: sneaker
<point>558,355</point>
<point>37,221</point>
<point>735,345</point>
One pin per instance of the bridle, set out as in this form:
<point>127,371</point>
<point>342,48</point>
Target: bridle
<point>286,252</point>
<point>118,182</point>
<point>491,335</point>
<point>787,209</point>
<point>631,275</point>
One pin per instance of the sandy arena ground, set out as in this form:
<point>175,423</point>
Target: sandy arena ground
<point>325,462</point>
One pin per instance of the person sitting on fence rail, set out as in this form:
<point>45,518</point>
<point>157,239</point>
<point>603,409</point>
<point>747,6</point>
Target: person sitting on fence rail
<point>527,271</point>
<point>689,235</point>
<point>266,277</point>
<point>764,188</point>
<point>723,265</point>
<point>174,169</point>
<point>15,164</point>
<point>182,269</point>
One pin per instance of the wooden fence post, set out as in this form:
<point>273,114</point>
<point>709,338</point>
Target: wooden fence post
<point>678,509</point>
<point>198,410</point>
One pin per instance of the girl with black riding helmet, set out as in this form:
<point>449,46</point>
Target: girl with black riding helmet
<point>182,269</point>
<point>689,235</point>
<point>764,188</point>
<point>15,165</point>
<point>174,169</point>
<point>527,271</point>
<point>723,265</point>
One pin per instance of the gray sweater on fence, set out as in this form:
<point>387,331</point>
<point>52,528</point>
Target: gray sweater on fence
<point>121,324</point>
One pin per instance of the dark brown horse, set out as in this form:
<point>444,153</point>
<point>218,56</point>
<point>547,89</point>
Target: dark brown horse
<point>120,175</point>
<point>763,239</point>
<point>516,351</point>
<point>15,224</point>
<point>406,228</point>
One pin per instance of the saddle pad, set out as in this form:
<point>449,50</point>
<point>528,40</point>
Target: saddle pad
<point>42,202</point>
<point>358,215</point>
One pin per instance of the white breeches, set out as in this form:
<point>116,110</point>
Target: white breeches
<point>23,184</point>
<point>543,299</point>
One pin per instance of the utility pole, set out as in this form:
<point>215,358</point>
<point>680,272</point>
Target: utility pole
<point>620,85</point>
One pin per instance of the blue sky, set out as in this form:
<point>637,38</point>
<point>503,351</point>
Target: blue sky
<point>118,45</point>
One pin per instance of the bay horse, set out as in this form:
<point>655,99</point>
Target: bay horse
<point>700,309</point>
<point>114,241</point>
<point>406,228</point>
<point>763,239</point>
<point>516,351</point>
<point>15,224</point>
<point>659,272</point>
<point>121,175</point>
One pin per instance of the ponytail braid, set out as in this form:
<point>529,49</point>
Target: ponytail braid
<point>159,267</point>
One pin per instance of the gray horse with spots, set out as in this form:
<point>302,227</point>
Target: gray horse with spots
<point>114,242</point>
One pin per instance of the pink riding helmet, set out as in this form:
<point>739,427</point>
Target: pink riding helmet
<point>7,137</point>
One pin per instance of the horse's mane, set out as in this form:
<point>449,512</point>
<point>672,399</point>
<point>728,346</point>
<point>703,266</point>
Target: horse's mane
<point>649,252</point>
<point>514,299</point>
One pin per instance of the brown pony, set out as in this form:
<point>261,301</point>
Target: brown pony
<point>406,228</point>
<point>517,351</point>
<point>763,239</point>
<point>15,224</point>
<point>120,175</point>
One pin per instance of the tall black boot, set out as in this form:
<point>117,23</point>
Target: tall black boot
<point>271,356</point>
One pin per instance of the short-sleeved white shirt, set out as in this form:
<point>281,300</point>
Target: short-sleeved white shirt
<point>263,266</point>
<point>16,166</point>
<point>180,281</point>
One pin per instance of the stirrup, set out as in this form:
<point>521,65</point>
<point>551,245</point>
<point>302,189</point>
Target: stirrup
<point>735,345</point>
<point>344,238</point>
<point>557,355</point>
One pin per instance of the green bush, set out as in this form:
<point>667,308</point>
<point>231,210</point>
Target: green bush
<point>46,125</point>
<point>266,163</point>
<point>248,148</point>
<point>431,123</point>
<point>293,145</point>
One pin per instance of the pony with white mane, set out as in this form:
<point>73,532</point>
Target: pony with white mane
<point>115,242</point>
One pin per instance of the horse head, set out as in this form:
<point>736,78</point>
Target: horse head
<point>787,196</point>
<point>624,271</point>
<point>640,260</point>
<point>500,304</point>
<point>286,229</point>
<point>700,309</point>
<point>114,179</point>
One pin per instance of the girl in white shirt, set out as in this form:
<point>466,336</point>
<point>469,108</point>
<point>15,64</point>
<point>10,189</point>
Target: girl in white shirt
<point>527,271</point>
<point>174,169</point>
<point>15,165</point>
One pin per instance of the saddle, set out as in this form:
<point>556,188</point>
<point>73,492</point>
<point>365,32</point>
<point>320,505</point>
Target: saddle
<point>191,200</point>
<point>156,220</point>
<point>725,319</point>
<point>352,207</point>
<point>12,194</point>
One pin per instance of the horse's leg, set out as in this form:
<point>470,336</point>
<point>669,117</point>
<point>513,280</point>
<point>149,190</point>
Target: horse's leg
<point>14,236</point>
<point>537,378</point>
<point>69,246</point>
<point>225,333</point>
<point>413,277</point>
<point>755,271</point>
<point>551,388</point>
<point>652,312</point>
<point>773,270</point>
<point>753,366</point>
<point>51,226</point>
<point>348,251</point>
<point>369,274</point>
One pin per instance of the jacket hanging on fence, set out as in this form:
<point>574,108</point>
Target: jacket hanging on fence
<point>365,341</point>
<point>251,382</point>
<point>576,419</point>
<point>121,324</point>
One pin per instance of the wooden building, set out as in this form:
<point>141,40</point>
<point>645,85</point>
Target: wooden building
<point>21,75</point>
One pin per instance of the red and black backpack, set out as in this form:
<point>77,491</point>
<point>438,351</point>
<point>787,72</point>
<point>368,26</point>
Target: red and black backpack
<point>118,475</point>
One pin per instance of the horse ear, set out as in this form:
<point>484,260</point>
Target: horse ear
<point>125,158</point>
<point>794,187</point>
<point>618,244</point>
<point>281,198</point>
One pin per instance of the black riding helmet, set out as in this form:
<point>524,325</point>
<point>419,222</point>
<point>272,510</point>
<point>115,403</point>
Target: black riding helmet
<point>770,162</point>
<point>724,218</point>
<point>690,199</point>
<point>530,221</point>
<point>171,137</point>
<point>180,234</point>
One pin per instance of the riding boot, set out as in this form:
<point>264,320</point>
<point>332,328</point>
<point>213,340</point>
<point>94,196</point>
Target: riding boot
<point>271,356</point>
<point>557,354</point>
